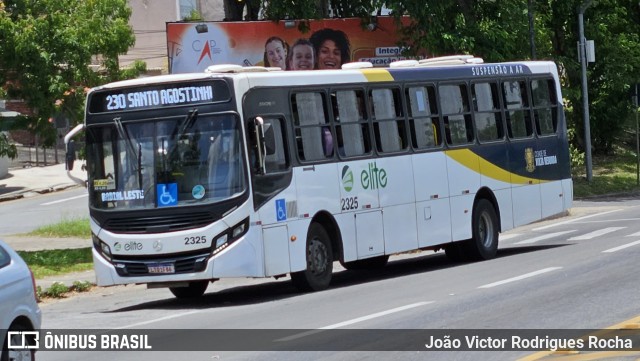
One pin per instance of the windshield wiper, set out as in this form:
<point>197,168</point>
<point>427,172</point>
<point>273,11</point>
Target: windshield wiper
<point>122,132</point>
<point>188,122</point>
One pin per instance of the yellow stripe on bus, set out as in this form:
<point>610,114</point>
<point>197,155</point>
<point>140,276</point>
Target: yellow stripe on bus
<point>377,75</point>
<point>470,160</point>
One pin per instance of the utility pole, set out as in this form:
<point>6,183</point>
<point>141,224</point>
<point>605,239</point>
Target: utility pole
<point>585,95</point>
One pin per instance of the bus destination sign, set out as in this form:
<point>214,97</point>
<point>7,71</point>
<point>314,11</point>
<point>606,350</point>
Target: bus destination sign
<point>158,96</point>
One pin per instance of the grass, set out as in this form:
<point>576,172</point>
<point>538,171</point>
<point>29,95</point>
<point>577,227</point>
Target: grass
<point>77,228</point>
<point>58,261</point>
<point>612,174</point>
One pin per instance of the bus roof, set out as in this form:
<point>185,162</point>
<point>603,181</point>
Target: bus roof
<point>425,71</point>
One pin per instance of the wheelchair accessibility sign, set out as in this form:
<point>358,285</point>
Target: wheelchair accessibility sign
<point>167,194</point>
<point>281,210</point>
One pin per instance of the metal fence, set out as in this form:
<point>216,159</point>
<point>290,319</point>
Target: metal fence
<point>37,157</point>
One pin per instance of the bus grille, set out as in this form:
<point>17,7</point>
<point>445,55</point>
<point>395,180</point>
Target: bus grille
<point>181,265</point>
<point>169,223</point>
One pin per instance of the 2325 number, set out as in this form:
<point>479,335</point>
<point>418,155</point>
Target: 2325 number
<point>349,203</point>
<point>195,240</point>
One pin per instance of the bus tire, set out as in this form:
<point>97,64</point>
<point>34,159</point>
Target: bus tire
<point>484,243</point>
<point>319,257</point>
<point>194,290</point>
<point>369,263</point>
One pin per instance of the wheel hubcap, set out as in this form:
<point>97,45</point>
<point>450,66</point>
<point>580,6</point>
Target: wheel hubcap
<point>317,256</point>
<point>485,230</point>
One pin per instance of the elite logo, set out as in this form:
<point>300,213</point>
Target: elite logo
<point>371,177</point>
<point>347,178</point>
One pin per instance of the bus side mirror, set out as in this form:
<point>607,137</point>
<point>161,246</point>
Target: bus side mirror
<point>261,149</point>
<point>70,157</point>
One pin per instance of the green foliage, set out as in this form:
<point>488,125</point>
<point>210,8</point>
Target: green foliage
<point>57,290</point>
<point>78,228</point>
<point>6,149</point>
<point>612,174</point>
<point>577,159</point>
<point>81,286</point>
<point>46,48</point>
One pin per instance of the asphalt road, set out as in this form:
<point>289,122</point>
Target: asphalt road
<point>575,272</point>
<point>26,214</point>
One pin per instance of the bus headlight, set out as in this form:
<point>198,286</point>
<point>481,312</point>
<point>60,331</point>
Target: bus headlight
<point>230,235</point>
<point>221,240</point>
<point>101,247</point>
<point>238,230</point>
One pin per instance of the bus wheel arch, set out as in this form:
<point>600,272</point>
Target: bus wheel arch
<point>318,261</point>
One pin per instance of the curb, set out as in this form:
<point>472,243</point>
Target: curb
<point>28,192</point>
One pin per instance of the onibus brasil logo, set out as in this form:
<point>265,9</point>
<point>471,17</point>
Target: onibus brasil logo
<point>371,177</point>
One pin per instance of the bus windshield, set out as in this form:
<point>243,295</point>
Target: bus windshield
<point>178,161</point>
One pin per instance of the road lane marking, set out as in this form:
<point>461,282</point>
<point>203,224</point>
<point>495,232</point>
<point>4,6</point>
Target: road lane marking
<point>64,200</point>
<point>504,237</point>
<point>157,320</point>
<point>544,236</point>
<point>630,324</point>
<point>637,234</point>
<point>614,249</point>
<point>518,278</point>
<point>595,234</point>
<point>353,321</point>
<point>574,220</point>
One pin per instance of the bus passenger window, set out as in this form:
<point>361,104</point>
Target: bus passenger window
<point>352,128</point>
<point>517,106</point>
<point>423,117</point>
<point>310,126</point>
<point>456,114</point>
<point>487,111</point>
<point>545,106</point>
<point>388,122</point>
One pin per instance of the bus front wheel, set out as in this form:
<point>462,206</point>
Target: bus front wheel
<point>319,257</point>
<point>193,290</point>
<point>484,244</point>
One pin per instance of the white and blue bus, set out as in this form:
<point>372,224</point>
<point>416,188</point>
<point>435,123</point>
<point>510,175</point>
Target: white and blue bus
<point>257,172</point>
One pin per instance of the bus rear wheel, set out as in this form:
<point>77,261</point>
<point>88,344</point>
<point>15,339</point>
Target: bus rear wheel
<point>317,275</point>
<point>193,290</point>
<point>484,244</point>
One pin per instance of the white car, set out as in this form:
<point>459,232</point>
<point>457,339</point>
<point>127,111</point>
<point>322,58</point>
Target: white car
<point>19,309</point>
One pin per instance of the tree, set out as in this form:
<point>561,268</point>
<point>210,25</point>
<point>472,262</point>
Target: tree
<point>46,47</point>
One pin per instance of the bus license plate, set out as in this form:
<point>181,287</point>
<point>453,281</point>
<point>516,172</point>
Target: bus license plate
<point>161,268</point>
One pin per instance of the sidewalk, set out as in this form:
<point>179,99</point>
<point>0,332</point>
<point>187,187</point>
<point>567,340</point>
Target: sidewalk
<point>25,182</point>
<point>28,182</point>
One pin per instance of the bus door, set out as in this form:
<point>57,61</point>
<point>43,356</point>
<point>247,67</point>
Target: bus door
<point>431,186</point>
<point>392,173</point>
<point>547,155</point>
<point>525,186</point>
<point>463,167</point>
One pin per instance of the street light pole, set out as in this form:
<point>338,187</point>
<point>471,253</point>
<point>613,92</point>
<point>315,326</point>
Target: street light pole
<point>585,95</point>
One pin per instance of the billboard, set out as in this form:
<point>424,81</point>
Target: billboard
<point>192,47</point>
